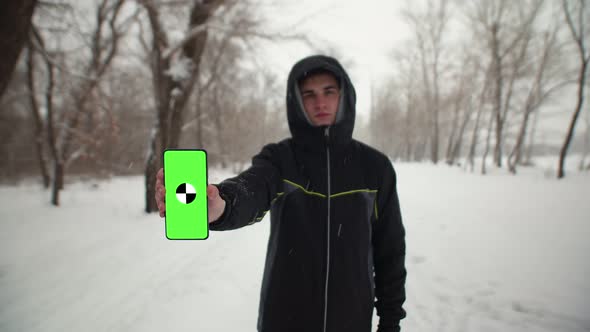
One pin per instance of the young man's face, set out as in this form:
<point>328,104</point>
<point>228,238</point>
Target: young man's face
<point>320,95</point>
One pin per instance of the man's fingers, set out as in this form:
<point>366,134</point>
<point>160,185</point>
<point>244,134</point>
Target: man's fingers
<point>160,193</point>
<point>212,192</point>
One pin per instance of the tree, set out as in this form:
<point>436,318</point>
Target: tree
<point>536,95</point>
<point>505,27</point>
<point>578,27</point>
<point>175,69</point>
<point>15,22</point>
<point>462,103</point>
<point>74,126</point>
<point>209,55</point>
<point>400,124</point>
<point>35,108</point>
<point>483,96</point>
<point>429,28</point>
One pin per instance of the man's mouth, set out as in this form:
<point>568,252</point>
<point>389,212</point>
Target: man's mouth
<point>322,115</point>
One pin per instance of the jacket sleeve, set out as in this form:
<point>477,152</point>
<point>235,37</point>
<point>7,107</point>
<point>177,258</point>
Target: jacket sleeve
<point>389,251</point>
<point>249,194</point>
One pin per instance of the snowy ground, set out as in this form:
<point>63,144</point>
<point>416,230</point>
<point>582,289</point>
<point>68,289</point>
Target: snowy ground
<point>485,253</point>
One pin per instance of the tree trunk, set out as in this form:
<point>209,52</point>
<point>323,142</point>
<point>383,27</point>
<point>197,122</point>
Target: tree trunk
<point>453,133</point>
<point>459,140</point>
<point>408,119</point>
<point>497,60</point>
<point>530,142</point>
<point>474,138</point>
<point>36,116</point>
<point>487,148</point>
<point>534,94</point>
<point>16,22</point>
<point>152,166</point>
<point>457,129</point>
<point>58,174</point>
<point>572,126</point>
<point>435,132</point>
<point>51,134</point>
<point>218,121</point>
<point>578,36</point>
<point>515,155</point>
<point>474,135</point>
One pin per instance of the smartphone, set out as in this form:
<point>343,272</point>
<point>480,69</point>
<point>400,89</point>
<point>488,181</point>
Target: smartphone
<point>185,180</point>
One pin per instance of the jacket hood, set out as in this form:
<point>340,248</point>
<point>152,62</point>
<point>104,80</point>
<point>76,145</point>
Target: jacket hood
<point>302,130</point>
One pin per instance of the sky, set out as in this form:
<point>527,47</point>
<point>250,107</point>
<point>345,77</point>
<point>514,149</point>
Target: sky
<point>362,33</point>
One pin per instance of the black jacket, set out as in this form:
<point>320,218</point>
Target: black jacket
<point>336,235</point>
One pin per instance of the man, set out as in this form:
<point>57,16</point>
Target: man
<point>336,234</point>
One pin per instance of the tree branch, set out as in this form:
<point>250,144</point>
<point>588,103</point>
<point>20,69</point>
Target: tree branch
<point>572,28</point>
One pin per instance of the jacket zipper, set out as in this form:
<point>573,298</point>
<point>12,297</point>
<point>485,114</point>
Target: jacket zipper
<point>327,135</point>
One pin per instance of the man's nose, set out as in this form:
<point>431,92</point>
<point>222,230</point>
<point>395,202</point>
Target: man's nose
<point>321,102</point>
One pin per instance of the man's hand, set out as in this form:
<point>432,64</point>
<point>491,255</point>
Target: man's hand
<point>215,204</point>
<point>160,192</point>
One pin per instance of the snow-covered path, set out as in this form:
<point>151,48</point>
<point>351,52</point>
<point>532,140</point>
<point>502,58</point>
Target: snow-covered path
<point>493,253</point>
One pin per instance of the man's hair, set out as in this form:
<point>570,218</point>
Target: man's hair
<point>318,71</point>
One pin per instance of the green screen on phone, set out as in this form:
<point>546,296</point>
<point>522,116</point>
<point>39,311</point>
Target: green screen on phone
<point>185,180</point>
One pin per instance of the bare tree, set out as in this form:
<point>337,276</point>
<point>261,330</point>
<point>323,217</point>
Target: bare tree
<point>530,141</point>
<point>491,124</point>
<point>505,26</point>
<point>456,101</point>
<point>462,103</point>
<point>537,93</point>
<point>73,133</point>
<point>578,27</point>
<point>35,110</point>
<point>400,124</point>
<point>37,44</point>
<point>15,18</point>
<point>483,96</point>
<point>429,28</point>
<point>174,75</point>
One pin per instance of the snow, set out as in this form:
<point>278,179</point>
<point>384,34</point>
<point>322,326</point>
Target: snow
<point>180,69</point>
<point>176,92</point>
<point>484,253</point>
<point>175,36</point>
